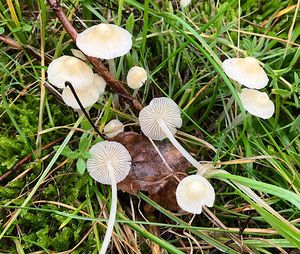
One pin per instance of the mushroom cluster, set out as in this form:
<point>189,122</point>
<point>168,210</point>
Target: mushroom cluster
<point>87,85</point>
<point>110,162</point>
<point>248,72</point>
<point>105,41</point>
<point>160,120</point>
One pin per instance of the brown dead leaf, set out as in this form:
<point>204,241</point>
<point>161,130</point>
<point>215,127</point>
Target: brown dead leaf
<point>165,197</point>
<point>148,172</point>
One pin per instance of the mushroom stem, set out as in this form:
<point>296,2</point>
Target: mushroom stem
<point>112,67</point>
<point>135,92</point>
<point>67,83</point>
<point>180,148</point>
<point>113,210</point>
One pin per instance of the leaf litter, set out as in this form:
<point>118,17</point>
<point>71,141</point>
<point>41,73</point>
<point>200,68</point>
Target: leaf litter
<point>148,171</point>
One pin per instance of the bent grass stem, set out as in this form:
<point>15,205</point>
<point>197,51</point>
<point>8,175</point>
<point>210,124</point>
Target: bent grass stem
<point>67,83</point>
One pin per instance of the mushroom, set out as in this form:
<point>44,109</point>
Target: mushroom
<point>136,78</point>
<point>113,128</point>
<point>184,3</point>
<point>104,41</point>
<point>257,103</point>
<point>246,71</point>
<point>160,119</point>
<point>88,96</point>
<point>110,163</point>
<point>71,69</point>
<point>193,192</point>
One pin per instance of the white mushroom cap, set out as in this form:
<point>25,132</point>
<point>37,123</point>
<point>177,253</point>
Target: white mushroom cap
<point>160,108</point>
<point>87,97</point>
<point>185,3</point>
<point>246,71</point>
<point>108,152</point>
<point>193,192</point>
<point>113,128</point>
<point>99,82</point>
<point>257,103</point>
<point>72,69</point>
<point>136,77</point>
<point>104,41</point>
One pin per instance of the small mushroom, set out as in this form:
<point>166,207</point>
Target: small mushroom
<point>104,41</point>
<point>193,192</point>
<point>159,120</point>
<point>246,71</point>
<point>257,103</point>
<point>184,3</point>
<point>88,96</point>
<point>110,163</point>
<point>113,128</point>
<point>71,69</point>
<point>136,78</point>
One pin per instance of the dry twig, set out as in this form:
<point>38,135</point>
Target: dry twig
<point>15,45</point>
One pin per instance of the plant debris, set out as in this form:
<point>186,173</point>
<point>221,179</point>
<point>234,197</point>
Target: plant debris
<point>148,172</point>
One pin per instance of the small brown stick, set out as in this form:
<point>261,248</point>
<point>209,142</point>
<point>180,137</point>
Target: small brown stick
<point>98,65</point>
<point>10,42</point>
<point>27,158</point>
<point>15,45</point>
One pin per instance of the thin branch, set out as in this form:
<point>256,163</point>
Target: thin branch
<point>15,45</point>
<point>68,84</point>
<point>98,65</point>
<point>10,42</point>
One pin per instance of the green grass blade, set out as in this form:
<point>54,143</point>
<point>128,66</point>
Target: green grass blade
<point>220,246</point>
<point>264,187</point>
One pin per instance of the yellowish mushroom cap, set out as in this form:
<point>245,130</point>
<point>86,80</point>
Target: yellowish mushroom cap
<point>110,152</point>
<point>246,71</point>
<point>113,128</point>
<point>257,103</point>
<point>136,77</point>
<point>72,69</point>
<point>88,96</point>
<point>193,192</point>
<point>104,41</point>
<point>160,108</point>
